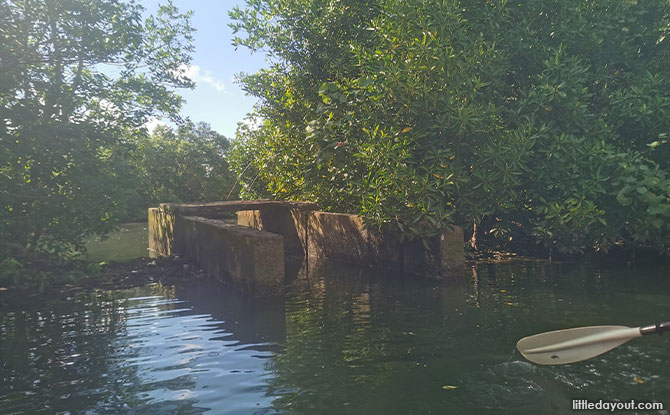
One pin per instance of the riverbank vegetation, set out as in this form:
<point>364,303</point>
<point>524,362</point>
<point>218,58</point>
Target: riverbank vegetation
<point>79,80</point>
<point>536,124</point>
<point>539,126</point>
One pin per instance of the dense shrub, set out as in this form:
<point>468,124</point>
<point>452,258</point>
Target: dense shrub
<point>78,79</point>
<point>536,115</point>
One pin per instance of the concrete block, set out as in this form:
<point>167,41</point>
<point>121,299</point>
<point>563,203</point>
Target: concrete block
<point>337,237</point>
<point>248,259</point>
<point>161,232</point>
<point>452,251</point>
<point>442,256</point>
<point>345,238</point>
<point>251,256</point>
<point>250,218</point>
<point>384,249</point>
<point>289,223</point>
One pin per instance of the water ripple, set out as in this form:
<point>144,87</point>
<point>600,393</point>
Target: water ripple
<point>143,354</point>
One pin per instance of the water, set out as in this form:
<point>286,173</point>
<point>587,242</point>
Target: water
<point>344,341</point>
<point>128,242</point>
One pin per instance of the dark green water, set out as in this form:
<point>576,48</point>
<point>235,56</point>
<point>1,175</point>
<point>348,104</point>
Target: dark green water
<point>128,242</point>
<point>345,341</point>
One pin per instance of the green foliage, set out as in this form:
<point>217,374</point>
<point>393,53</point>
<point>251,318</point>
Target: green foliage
<point>78,79</point>
<point>183,165</point>
<point>548,116</point>
<point>645,190</point>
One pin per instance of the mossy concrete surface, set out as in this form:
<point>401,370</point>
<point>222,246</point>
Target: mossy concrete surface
<point>338,237</point>
<point>248,259</point>
<point>161,232</point>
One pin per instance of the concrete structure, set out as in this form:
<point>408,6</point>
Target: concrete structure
<point>251,260</point>
<point>289,223</point>
<point>213,209</point>
<point>250,255</point>
<point>320,236</point>
<point>161,232</point>
<point>345,238</point>
<point>248,259</point>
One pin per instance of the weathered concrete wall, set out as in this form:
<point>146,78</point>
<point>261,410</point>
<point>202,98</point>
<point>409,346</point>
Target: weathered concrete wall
<point>385,250</point>
<point>338,237</point>
<point>345,238</point>
<point>444,257</point>
<point>161,232</point>
<point>165,232</point>
<point>250,260</point>
<point>289,223</point>
<point>452,251</point>
<point>316,235</point>
<point>326,236</point>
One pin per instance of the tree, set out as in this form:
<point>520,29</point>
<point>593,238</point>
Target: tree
<point>184,165</point>
<point>78,79</point>
<point>535,115</point>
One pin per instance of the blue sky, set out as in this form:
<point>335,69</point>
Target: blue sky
<point>216,99</point>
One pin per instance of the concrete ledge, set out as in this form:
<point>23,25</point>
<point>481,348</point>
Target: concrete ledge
<point>216,208</point>
<point>250,260</point>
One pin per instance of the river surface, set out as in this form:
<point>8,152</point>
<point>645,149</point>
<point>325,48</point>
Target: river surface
<point>130,241</point>
<point>343,341</point>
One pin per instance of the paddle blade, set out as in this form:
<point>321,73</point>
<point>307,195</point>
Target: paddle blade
<point>574,345</point>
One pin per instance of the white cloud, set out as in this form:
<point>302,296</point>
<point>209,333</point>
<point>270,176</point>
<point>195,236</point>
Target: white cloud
<point>153,123</point>
<point>197,75</point>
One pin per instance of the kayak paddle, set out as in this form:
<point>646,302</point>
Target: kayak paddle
<point>574,345</point>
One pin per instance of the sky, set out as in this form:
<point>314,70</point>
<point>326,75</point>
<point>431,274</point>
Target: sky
<point>216,99</point>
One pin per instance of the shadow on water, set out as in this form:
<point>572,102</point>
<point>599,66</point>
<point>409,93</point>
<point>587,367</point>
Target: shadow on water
<point>343,340</point>
<point>244,320</point>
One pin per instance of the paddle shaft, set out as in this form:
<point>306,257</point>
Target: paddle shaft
<point>659,328</point>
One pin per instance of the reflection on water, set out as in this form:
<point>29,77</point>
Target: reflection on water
<point>343,341</point>
<point>140,351</point>
<point>128,242</point>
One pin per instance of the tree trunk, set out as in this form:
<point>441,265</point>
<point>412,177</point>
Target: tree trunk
<point>473,239</point>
